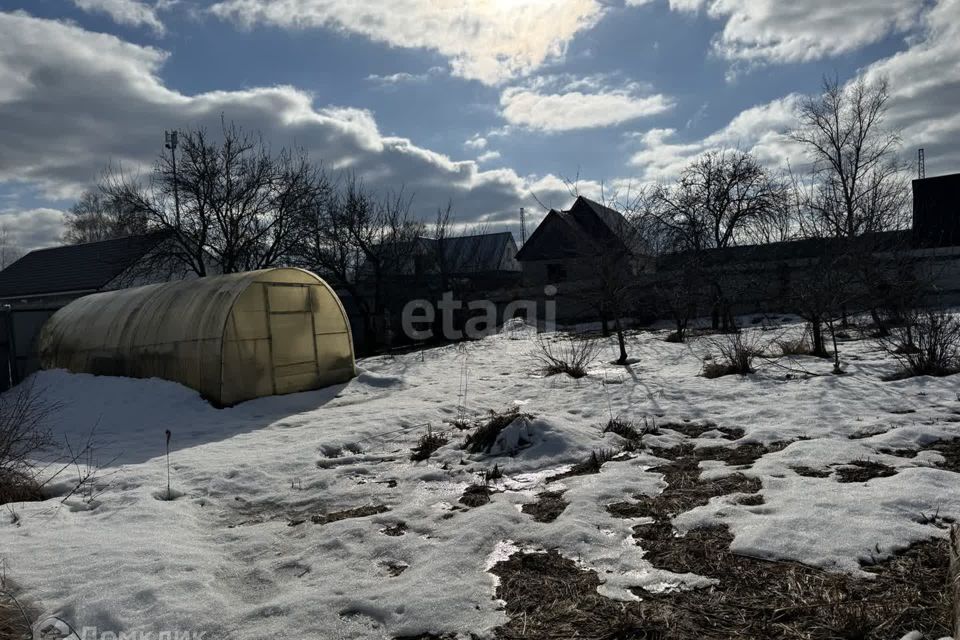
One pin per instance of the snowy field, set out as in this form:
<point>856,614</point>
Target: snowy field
<point>252,547</point>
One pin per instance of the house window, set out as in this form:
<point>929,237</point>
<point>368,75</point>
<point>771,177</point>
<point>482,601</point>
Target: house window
<point>556,272</point>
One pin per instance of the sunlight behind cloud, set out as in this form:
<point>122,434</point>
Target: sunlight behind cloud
<point>486,40</point>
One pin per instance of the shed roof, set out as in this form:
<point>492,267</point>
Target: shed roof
<point>482,252</point>
<point>78,267</point>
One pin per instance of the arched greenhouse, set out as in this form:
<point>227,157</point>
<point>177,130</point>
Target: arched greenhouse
<point>232,337</point>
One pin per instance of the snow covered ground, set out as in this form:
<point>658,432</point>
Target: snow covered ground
<point>236,553</point>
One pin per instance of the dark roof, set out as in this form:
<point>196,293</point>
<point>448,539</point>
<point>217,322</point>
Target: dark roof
<point>593,224</point>
<point>78,267</point>
<point>482,252</point>
<point>784,251</point>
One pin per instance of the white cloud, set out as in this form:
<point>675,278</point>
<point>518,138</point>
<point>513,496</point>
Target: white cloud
<point>85,99</point>
<point>132,13</point>
<point>924,86</point>
<point>477,142</point>
<point>403,77</point>
<point>758,31</point>
<point>760,130</point>
<point>569,107</point>
<point>486,40</point>
<point>33,228</point>
<point>488,156</point>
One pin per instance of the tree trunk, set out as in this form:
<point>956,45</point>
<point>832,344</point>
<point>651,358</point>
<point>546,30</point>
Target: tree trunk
<point>621,339</point>
<point>816,333</point>
<point>953,586</point>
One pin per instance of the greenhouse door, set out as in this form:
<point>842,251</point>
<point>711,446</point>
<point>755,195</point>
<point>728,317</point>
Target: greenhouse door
<point>293,346</point>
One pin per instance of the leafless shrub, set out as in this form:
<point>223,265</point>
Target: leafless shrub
<point>483,439</point>
<point>571,354</point>
<point>795,347</point>
<point>427,445</point>
<point>928,346</point>
<point>632,432</point>
<point>737,352</point>
<point>23,435</point>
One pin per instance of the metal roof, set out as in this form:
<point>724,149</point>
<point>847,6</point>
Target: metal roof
<point>78,267</point>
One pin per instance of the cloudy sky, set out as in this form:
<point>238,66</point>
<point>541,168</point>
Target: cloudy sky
<point>488,103</point>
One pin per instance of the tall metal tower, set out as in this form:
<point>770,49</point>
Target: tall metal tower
<point>523,227</point>
<point>921,165</point>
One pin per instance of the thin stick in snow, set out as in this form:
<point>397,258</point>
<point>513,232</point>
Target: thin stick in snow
<point>169,495</point>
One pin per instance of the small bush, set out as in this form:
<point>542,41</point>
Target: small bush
<point>427,445</point>
<point>483,439</point>
<point>571,355</point>
<point>799,347</point>
<point>675,337</point>
<point>23,434</point>
<point>930,346</point>
<point>736,355</point>
<point>632,432</point>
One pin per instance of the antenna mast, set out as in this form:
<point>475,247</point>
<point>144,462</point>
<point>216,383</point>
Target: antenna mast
<point>523,228</point>
<point>921,165</point>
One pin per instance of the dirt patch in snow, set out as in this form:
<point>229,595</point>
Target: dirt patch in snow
<point>863,470</point>
<point>395,530</point>
<point>591,465</point>
<point>547,508</point>
<point>757,599</point>
<point>684,490</point>
<point>476,495</point>
<point>549,597</point>
<point>950,450</point>
<point>810,472</point>
<point>697,429</point>
<point>356,512</point>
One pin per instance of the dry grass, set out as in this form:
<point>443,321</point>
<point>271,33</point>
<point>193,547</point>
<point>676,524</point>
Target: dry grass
<point>395,530</point>
<point>547,508</point>
<point>483,439</point>
<point>549,598</point>
<point>758,599</point>
<point>863,470</point>
<point>427,445</point>
<point>356,512</point>
<point>17,486</point>
<point>476,495</point>
<point>591,465</point>
<point>16,614</point>
<point>810,472</point>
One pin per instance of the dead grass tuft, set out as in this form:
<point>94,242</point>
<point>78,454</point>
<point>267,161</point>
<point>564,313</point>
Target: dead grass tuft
<point>547,508</point>
<point>591,465</point>
<point>950,450</point>
<point>483,439</point>
<point>476,495</point>
<point>810,472</point>
<point>863,470</point>
<point>395,530</point>
<point>427,446</point>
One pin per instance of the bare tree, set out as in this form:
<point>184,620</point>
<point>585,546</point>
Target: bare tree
<point>97,216</point>
<point>228,201</point>
<point>361,242</point>
<point>857,184</point>
<point>718,199</point>
<point>10,251</point>
<point>721,199</point>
